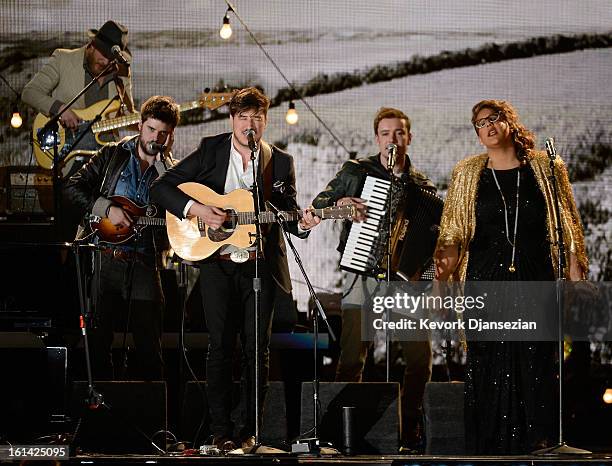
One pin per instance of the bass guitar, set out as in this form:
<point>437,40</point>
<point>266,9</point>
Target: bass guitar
<point>193,240</point>
<point>43,143</point>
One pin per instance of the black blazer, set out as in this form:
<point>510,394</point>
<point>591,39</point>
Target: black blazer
<point>208,165</point>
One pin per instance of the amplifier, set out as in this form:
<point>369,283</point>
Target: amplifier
<point>26,190</point>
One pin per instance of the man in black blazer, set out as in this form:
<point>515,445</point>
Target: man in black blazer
<point>223,164</point>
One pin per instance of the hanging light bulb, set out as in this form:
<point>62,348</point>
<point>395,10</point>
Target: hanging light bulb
<point>226,30</point>
<point>16,120</point>
<point>607,396</point>
<point>292,115</point>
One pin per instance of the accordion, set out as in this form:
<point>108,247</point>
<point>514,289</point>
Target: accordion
<point>415,220</point>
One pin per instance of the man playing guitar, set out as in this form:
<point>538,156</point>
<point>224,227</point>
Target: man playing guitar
<point>223,164</point>
<point>65,74</point>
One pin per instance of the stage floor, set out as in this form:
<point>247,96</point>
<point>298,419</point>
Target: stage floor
<point>361,460</point>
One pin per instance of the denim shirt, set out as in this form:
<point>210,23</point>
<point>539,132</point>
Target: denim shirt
<point>136,187</point>
<point>132,184</point>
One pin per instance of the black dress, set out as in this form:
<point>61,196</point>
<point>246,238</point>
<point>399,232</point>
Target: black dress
<point>510,387</point>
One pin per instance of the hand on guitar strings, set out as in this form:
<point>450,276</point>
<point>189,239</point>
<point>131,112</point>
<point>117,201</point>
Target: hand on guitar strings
<point>212,216</point>
<point>358,203</point>
<point>69,119</point>
<point>119,217</point>
<point>308,220</point>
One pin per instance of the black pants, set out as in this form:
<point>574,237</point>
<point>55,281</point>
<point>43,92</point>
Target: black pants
<point>228,298</point>
<point>128,296</point>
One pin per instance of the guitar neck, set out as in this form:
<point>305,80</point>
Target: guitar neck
<point>246,218</point>
<point>133,119</point>
<point>151,221</point>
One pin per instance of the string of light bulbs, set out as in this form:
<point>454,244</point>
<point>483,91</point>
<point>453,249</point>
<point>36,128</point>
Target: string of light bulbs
<point>292,116</point>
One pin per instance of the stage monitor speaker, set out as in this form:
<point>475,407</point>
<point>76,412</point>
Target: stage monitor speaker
<point>443,406</point>
<point>32,393</point>
<point>25,402</point>
<point>132,407</point>
<point>195,420</point>
<point>376,417</point>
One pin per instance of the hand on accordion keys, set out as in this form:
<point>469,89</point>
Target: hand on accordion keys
<point>358,203</point>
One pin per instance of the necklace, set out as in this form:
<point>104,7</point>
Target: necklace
<point>513,242</point>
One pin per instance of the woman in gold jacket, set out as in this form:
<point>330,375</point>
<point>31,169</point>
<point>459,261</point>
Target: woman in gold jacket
<point>498,224</point>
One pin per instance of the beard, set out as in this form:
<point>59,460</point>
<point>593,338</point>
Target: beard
<point>143,146</point>
<point>93,66</point>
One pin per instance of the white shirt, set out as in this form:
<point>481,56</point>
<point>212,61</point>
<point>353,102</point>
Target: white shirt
<point>237,177</point>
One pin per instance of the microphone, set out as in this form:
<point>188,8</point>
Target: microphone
<point>154,147</point>
<point>251,138</point>
<point>549,143</point>
<point>392,151</point>
<point>119,56</point>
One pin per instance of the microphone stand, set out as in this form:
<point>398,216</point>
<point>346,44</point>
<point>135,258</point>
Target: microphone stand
<point>311,444</point>
<point>256,289</point>
<point>94,399</point>
<point>182,301</point>
<point>52,128</point>
<point>391,155</point>
<point>561,448</point>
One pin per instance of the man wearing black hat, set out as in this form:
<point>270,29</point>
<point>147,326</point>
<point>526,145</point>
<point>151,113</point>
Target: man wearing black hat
<point>68,71</point>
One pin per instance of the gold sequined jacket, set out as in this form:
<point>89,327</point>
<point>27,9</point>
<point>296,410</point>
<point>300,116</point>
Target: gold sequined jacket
<point>459,215</point>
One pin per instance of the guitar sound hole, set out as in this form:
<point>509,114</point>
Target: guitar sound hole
<point>226,230</point>
<point>230,223</point>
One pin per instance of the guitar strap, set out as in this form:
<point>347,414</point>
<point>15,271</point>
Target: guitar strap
<point>266,169</point>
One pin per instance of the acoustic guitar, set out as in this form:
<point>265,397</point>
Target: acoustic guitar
<point>193,240</point>
<point>43,143</point>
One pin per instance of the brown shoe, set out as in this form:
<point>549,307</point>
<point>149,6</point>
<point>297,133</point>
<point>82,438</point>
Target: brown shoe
<point>224,444</point>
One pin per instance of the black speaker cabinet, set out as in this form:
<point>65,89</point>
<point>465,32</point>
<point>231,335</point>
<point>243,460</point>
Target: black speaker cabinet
<point>376,417</point>
<point>443,406</point>
<point>195,420</point>
<point>135,413</point>
<point>23,400</point>
<point>32,391</point>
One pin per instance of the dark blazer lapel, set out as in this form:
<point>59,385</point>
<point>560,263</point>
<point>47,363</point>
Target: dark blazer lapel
<point>222,155</point>
<point>266,169</point>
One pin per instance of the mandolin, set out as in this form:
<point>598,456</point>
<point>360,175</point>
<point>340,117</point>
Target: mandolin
<point>142,217</point>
